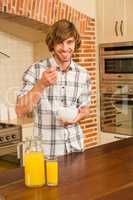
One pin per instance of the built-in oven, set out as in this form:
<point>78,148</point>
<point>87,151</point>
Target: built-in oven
<point>116,61</point>
<point>116,108</point>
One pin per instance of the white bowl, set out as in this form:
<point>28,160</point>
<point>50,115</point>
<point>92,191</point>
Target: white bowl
<point>67,113</point>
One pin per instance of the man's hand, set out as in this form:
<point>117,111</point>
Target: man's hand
<point>26,103</point>
<point>70,122</point>
<point>49,77</point>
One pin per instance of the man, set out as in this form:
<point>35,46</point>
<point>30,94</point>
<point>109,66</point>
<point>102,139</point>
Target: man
<point>55,82</point>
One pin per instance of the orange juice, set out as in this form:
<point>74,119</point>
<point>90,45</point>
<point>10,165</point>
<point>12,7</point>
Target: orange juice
<point>52,172</point>
<point>34,169</point>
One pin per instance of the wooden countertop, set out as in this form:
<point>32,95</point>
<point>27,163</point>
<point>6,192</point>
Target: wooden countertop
<point>102,173</point>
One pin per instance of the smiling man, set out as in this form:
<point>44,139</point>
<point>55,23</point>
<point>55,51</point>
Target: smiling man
<point>53,83</point>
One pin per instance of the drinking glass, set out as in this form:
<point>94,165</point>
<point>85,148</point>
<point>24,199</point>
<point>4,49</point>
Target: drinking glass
<point>52,171</point>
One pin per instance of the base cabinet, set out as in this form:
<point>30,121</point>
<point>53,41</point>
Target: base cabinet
<point>109,137</point>
<point>27,132</point>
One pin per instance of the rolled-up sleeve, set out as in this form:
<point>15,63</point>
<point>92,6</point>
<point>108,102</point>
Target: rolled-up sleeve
<point>85,97</point>
<point>29,80</point>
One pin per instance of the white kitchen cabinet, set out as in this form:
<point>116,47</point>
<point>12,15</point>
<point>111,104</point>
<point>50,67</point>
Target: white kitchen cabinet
<point>110,137</point>
<point>114,21</point>
<point>129,19</point>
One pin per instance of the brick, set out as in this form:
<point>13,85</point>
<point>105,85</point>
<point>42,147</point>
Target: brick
<point>89,145</point>
<point>88,135</point>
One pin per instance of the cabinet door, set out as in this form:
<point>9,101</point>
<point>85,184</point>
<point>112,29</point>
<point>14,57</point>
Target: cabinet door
<point>129,19</point>
<point>27,132</point>
<point>110,20</point>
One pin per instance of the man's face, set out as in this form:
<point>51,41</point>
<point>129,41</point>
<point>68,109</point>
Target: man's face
<point>63,51</point>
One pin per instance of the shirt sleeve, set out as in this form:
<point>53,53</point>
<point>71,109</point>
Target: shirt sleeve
<point>29,80</point>
<point>85,97</point>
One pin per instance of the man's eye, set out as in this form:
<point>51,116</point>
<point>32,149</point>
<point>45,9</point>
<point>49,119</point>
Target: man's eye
<point>70,42</point>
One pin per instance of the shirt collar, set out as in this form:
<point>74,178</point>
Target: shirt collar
<point>54,63</point>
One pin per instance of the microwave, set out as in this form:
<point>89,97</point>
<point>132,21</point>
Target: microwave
<point>116,61</point>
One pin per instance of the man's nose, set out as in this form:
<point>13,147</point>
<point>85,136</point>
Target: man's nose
<point>64,46</point>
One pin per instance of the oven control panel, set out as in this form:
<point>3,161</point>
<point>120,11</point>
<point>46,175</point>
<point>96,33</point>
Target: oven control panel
<point>9,134</point>
<point>117,89</point>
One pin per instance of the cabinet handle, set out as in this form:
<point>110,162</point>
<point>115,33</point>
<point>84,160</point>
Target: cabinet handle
<point>121,27</point>
<point>116,28</point>
<point>118,113</point>
<point>117,137</point>
<point>118,125</point>
<point>119,86</point>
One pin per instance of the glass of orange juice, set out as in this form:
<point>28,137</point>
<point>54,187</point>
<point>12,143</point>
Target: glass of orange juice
<point>52,171</point>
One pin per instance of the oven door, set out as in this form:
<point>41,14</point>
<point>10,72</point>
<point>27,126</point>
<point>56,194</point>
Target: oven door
<point>117,113</point>
<point>8,157</point>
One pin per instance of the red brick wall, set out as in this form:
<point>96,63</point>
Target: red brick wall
<point>49,11</point>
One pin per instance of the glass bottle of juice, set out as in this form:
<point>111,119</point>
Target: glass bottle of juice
<point>34,168</point>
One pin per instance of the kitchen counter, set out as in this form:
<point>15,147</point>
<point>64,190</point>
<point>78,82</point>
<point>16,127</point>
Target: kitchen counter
<point>101,173</point>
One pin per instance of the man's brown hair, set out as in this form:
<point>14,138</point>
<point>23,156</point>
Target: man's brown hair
<point>60,31</point>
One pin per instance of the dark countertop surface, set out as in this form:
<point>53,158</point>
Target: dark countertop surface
<point>101,173</point>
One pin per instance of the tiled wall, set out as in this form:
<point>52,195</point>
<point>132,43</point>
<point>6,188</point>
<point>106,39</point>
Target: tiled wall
<point>49,11</point>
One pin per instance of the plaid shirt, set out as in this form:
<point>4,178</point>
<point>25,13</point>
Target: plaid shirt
<point>72,88</point>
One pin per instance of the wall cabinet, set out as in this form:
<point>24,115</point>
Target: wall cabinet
<point>129,19</point>
<point>114,21</point>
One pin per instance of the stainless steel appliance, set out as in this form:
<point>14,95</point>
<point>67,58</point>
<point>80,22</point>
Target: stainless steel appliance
<point>10,136</point>
<point>117,109</point>
<point>116,61</point>
<point>116,87</point>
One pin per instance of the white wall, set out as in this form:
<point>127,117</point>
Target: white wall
<point>12,68</point>
<point>88,7</point>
